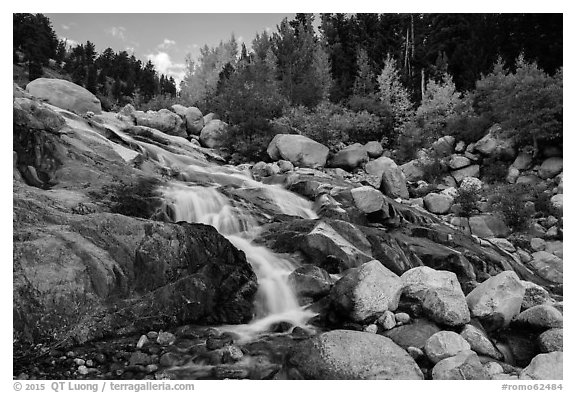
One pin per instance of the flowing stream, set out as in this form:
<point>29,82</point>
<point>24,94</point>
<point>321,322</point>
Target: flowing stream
<point>196,198</point>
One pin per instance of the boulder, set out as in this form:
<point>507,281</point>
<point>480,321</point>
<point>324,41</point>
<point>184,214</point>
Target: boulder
<point>210,116</point>
<point>534,295</point>
<point>368,199</point>
<point>350,157</point>
<point>214,134</point>
<point>471,183</point>
<point>479,342</point>
<point>299,150</point>
<point>192,116</point>
<point>347,247</point>
<point>366,291</point>
<point>259,170</point>
<point>438,203</point>
<point>412,170</point>
<point>444,146</point>
<point>346,354</point>
<point>528,179</point>
<point>127,110</point>
<point>546,366</point>
<point>523,161</point>
<point>163,120</point>
<point>310,281</point>
<point>445,344</point>
<point>457,162</point>
<point>558,202</point>
<point>393,182</point>
<point>414,334</point>
<point>465,365</point>
<point>543,316</point>
<point>497,300</point>
<point>31,114</point>
<point>460,147</point>
<point>551,340</point>
<point>374,149</point>
<point>547,266</point>
<point>65,95</point>
<point>512,175</point>
<point>387,320</point>
<point>494,145</point>
<point>488,226</point>
<point>285,166</point>
<point>439,294</point>
<point>469,171</point>
<point>550,167</point>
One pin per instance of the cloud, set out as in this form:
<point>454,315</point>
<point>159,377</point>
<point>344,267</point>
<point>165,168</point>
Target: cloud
<point>268,29</point>
<point>66,27</point>
<point>164,65</point>
<point>69,42</point>
<point>240,39</point>
<point>166,43</point>
<point>118,32</point>
<point>130,49</point>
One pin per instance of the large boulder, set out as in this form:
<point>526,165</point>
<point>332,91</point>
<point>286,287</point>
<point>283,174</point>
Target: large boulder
<point>465,365</point>
<point>374,149</point>
<point>439,293</point>
<point>164,120</point>
<point>65,95</point>
<point>366,292</point>
<point>444,146</point>
<point>299,150</point>
<point>415,334</point>
<point>347,354</point>
<point>192,117</point>
<point>412,170</point>
<point>469,171</point>
<point>214,134</point>
<point>310,281</point>
<point>438,203</point>
<point>350,157</point>
<point>368,199</point>
<point>546,366</point>
<point>558,201</point>
<point>494,145</point>
<point>523,161</point>
<point>543,316</point>
<point>550,167</point>
<point>34,115</point>
<point>392,180</point>
<point>479,342</point>
<point>457,161</point>
<point>497,300</point>
<point>445,344</point>
<point>547,266</point>
<point>488,226</point>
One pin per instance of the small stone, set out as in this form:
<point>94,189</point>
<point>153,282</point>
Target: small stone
<point>387,320</point>
<point>479,342</point>
<point>231,354</point>
<point>139,358</point>
<point>227,372</point>
<point>142,341</point>
<point>371,328</point>
<point>416,353</point>
<point>100,358</point>
<point>79,362</point>
<point>152,335</point>
<point>538,244</point>
<point>89,363</point>
<point>83,370</point>
<point>151,368</point>
<point>217,343</point>
<point>402,317</point>
<point>551,340</point>
<point>165,338</point>
<point>493,368</point>
<point>445,344</point>
<point>70,354</point>
<point>170,359</point>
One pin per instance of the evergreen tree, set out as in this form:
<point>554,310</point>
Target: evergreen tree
<point>364,84</point>
<point>393,94</point>
<point>91,79</point>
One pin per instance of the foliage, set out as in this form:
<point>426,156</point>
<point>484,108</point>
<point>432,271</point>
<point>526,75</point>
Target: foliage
<point>527,102</point>
<point>510,201</point>
<point>393,94</point>
<point>433,170</point>
<point>494,170</point>
<point>164,101</point>
<point>467,198</point>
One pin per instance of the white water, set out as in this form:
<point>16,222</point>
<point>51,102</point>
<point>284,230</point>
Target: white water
<point>275,300</point>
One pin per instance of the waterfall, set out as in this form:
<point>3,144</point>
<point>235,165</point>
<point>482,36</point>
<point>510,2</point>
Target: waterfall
<point>275,299</point>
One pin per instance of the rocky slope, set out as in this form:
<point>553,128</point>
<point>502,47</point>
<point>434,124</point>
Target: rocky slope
<point>111,287</point>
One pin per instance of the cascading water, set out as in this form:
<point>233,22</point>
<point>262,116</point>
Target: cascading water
<point>275,299</point>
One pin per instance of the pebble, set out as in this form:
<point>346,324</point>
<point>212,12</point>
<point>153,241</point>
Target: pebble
<point>415,352</point>
<point>142,341</point>
<point>165,338</point>
<point>170,359</point>
<point>70,354</point>
<point>89,363</point>
<point>402,317</point>
<point>231,354</point>
<point>371,328</point>
<point>79,362</point>
<point>83,370</point>
<point>493,368</point>
<point>387,320</point>
<point>151,368</point>
<point>152,335</point>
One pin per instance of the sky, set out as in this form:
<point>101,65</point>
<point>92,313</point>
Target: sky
<point>165,39</point>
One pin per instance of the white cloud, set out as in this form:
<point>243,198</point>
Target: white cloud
<point>69,42</point>
<point>130,49</point>
<point>240,39</point>
<point>164,65</point>
<point>166,43</point>
<point>66,27</point>
<point>268,29</point>
<point>118,32</point>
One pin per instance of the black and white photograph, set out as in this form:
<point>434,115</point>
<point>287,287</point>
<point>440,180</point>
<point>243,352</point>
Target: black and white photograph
<point>287,196</point>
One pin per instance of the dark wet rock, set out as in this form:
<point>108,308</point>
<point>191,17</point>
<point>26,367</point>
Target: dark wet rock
<point>541,317</point>
<point>217,343</point>
<point>414,334</point>
<point>310,281</point>
<point>344,354</point>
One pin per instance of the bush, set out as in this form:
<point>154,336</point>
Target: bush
<point>494,171</point>
<point>467,198</point>
<point>434,170</point>
<point>510,202</point>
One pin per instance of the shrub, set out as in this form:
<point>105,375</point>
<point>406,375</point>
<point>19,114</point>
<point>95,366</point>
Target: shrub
<point>494,171</point>
<point>433,170</point>
<point>510,202</point>
<point>467,198</point>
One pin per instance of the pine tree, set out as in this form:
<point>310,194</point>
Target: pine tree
<point>91,79</point>
<point>393,94</point>
<point>364,84</point>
